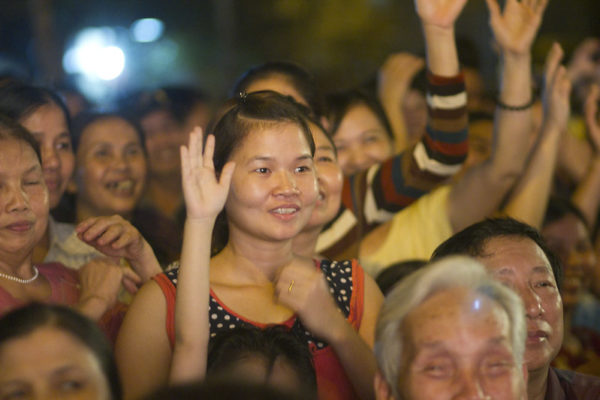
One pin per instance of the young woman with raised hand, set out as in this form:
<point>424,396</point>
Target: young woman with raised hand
<point>265,148</point>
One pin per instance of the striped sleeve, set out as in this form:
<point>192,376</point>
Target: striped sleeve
<point>389,187</point>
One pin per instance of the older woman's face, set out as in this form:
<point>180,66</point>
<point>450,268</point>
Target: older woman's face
<point>23,199</point>
<point>458,345</point>
<point>111,168</point>
<point>50,364</point>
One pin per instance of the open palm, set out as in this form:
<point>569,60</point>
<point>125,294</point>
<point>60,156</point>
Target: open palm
<point>204,194</point>
<point>440,13</point>
<point>516,26</point>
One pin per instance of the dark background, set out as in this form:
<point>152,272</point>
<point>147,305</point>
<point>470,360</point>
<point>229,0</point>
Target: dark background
<point>211,42</point>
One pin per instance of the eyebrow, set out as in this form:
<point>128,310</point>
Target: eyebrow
<point>269,158</point>
<point>542,269</point>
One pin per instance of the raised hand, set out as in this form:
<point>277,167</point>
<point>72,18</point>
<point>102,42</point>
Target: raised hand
<point>115,237</point>
<point>439,13</point>
<point>557,89</point>
<point>516,26</point>
<point>591,117</point>
<point>396,74</point>
<point>204,195</point>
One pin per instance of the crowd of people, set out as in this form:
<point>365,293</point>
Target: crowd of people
<point>407,239</point>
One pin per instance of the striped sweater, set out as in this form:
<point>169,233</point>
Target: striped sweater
<point>372,197</point>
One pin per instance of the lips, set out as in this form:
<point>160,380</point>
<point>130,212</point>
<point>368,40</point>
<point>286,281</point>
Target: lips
<point>285,212</point>
<point>122,188</point>
<point>536,337</point>
<point>20,226</point>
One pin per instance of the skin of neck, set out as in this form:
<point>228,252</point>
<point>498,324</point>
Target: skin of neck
<point>41,249</point>
<point>254,259</point>
<point>305,243</point>
<point>17,264</point>
<point>537,383</point>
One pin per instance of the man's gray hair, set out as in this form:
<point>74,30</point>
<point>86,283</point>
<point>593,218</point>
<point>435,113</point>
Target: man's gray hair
<point>448,273</point>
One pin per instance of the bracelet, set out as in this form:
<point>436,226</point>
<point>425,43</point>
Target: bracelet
<point>515,108</point>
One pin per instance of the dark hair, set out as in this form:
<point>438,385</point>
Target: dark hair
<point>177,101</point>
<point>235,120</point>
<point>270,344</point>
<point>302,80</point>
<point>390,276</point>
<point>338,105</point>
<point>85,119</point>
<point>559,207</point>
<point>26,320</point>
<point>219,389</point>
<point>19,101</point>
<point>10,129</point>
<point>472,240</point>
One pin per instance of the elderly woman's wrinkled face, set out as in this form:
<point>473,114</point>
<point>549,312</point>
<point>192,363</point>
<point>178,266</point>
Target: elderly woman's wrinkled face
<point>23,199</point>
<point>458,345</point>
<point>50,364</point>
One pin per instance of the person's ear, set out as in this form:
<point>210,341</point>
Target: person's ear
<point>382,389</point>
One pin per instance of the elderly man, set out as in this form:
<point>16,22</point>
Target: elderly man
<point>517,256</point>
<point>449,331</point>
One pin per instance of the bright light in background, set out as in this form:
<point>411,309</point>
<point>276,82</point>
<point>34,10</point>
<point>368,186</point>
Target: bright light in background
<point>147,30</point>
<point>95,55</point>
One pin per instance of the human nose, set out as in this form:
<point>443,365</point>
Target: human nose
<point>16,199</point>
<point>471,389</point>
<point>358,159</point>
<point>286,183</point>
<point>50,159</point>
<point>532,303</point>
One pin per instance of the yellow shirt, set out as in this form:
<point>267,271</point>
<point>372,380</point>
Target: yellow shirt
<point>413,233</point>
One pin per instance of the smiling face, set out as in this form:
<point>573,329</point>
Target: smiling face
<point>520,264</point>
<point>111,169</point>
<point>458,346</point>
<point>49,127</point>
<point>329,178</point>
<point>23,199</point>
<point>273,189</point>
<point>30,368</point>
<point>361,140</point>
<point>569,240</point>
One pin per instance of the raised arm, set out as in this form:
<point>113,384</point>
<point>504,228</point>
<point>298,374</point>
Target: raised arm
<point>587,194</point>
<point>204,198</point>
<point>480,191</point>
<point>528,200</point>
<point>393,83</point>
<point>401,180</point>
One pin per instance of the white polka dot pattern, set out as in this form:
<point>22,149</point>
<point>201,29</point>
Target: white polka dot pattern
<point>337,274</point>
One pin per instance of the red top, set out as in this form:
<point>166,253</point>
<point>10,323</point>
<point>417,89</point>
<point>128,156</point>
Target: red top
<point>347,281</point>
